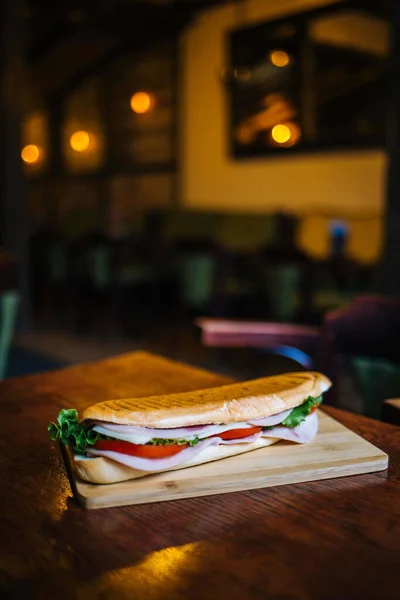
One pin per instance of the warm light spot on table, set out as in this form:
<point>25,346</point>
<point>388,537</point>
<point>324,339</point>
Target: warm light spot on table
<point>279,58</point>
<point>30,154</point>
<point>164,570</point>
<point>80,141</point>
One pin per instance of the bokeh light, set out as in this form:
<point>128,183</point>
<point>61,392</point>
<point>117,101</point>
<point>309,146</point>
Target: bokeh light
<point>80,141</point>
<point>281,133</point>
<point>30,154</point>
<point>142,102</point>
<point>279,58</point>
<point>286,134</point>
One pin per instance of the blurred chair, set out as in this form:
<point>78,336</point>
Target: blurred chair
<point>245,232</point>
<point>176,256</point>
<point>185,226</point>
<point>197,274</point>
<point>91,280</point>
<point>365,334</point>
<point>239,286</point>
<point>97,265</point>
<point>57,262</point>
<point>9,301</point>
<point>49,254</point>
<point>283,290</point>
<point>288,273</point>
<point>132,227</point>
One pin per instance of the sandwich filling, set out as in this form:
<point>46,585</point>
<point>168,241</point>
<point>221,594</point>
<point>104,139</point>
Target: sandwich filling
<point>154,449</point>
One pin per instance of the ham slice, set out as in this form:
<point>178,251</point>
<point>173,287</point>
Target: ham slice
<point>156,464</point>
<point>301,434</point>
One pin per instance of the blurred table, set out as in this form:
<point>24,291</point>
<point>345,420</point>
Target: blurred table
<point>327,539</point>
<point>234,333</point>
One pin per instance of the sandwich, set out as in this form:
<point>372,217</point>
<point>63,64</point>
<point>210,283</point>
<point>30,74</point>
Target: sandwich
<point>118,440</point>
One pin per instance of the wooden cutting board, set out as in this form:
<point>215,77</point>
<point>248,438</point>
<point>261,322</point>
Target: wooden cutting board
<point>335,452</point>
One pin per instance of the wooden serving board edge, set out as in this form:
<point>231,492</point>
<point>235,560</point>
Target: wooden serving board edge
<point>334,472</point>
<point>377,461</point>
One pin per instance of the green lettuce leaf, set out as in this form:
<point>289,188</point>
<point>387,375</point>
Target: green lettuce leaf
<point>299,413</point>
<point>161,442</point>
<point>78,437</point>
<point>71,433</point>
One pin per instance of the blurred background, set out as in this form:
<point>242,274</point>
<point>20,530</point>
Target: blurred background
<point>236,161</point>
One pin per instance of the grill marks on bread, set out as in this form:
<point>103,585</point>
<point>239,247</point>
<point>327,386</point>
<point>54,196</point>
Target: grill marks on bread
<point>225,404</point>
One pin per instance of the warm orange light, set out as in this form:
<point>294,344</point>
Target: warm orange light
<point>80,141</point>
<point>141,102</point>
<point>279,58</point>
<point>281,133</point>
<point>286,134</point>
<point>30,154</point>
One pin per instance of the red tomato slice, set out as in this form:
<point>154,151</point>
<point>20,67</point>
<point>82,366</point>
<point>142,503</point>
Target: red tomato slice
<point>235,434</point>
<point>142,450</point>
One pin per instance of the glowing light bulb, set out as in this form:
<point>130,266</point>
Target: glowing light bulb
<point>30,154</point>
<point>80,141</point>
<point>279,58</point>
<point>286,134</point>
<point>281,133</point>
<point>142,102</point>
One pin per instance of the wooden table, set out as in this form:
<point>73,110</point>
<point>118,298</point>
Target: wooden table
<point>333,539</point>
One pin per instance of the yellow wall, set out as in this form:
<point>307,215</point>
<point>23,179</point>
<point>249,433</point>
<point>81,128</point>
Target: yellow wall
<point>365,237</point>
<point>329,184</point>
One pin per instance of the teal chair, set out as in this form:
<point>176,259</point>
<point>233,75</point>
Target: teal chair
<point>365,334</point>
<point>188,225</point>
<point>377,379</point>
<point>57,262</point>
<point>97,265</point>
<point>283,290</point>
<point>9,302</point>
<point>197,280</point>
